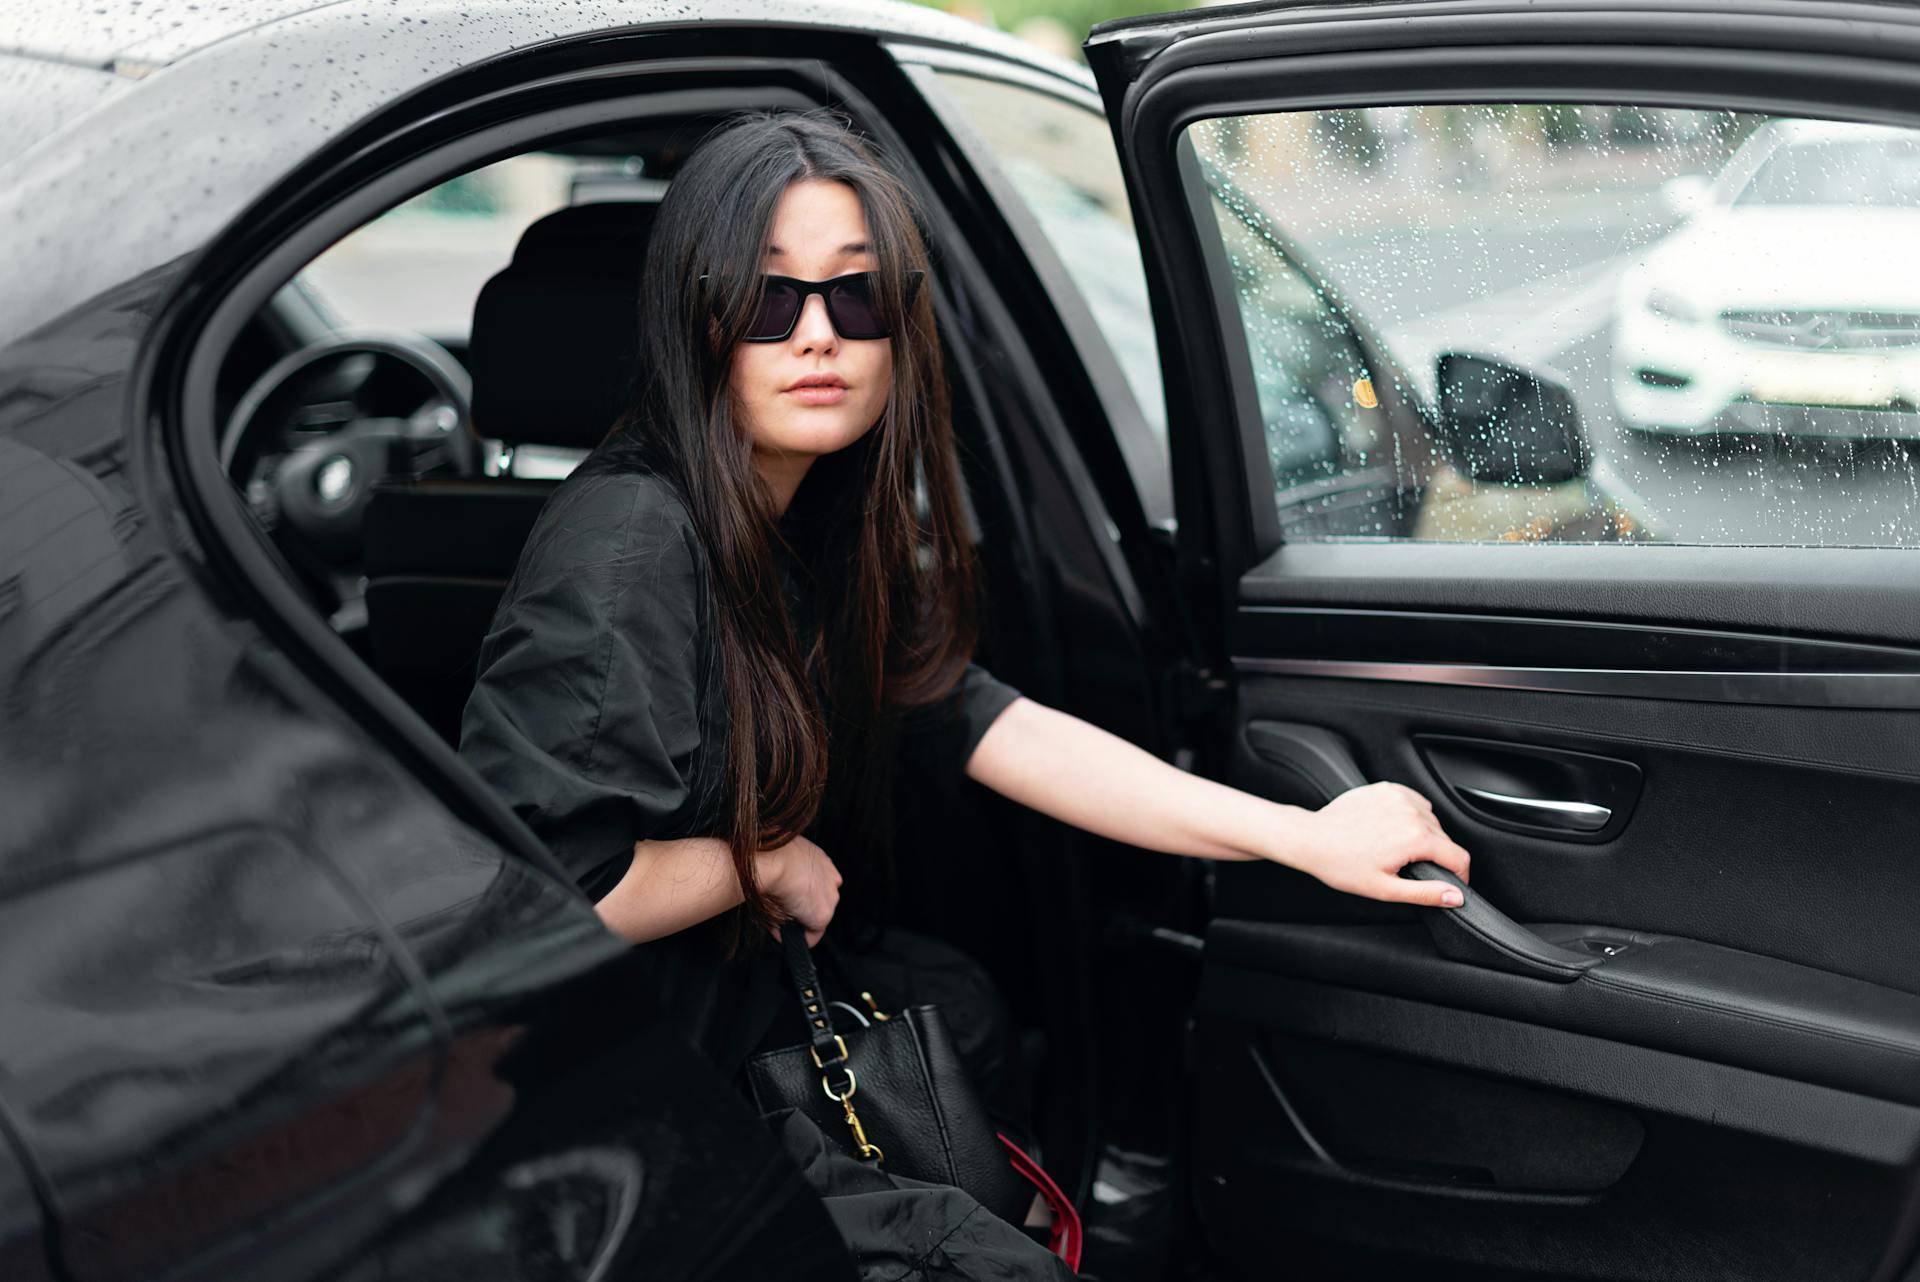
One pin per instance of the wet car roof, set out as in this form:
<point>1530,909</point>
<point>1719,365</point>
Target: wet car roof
<point>162,124</point>
<point>132,38</point>
<point>138,36</point>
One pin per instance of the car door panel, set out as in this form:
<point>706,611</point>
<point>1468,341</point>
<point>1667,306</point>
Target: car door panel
<point>1763,994</point>
<point>1750,833</point>
<point>1675,1030</point>
<point>1401,1133</point>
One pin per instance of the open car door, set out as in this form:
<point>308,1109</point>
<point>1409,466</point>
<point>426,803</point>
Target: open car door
<point>1637,606</point>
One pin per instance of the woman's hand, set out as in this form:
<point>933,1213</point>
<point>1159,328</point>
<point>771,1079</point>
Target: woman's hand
<point>802,881</point>
<point>1359,842</point>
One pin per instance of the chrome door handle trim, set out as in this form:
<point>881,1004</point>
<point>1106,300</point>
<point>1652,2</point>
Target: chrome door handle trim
<point>1582,816</point>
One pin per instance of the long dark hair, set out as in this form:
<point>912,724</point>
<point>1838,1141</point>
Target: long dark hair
<point>882,519</point>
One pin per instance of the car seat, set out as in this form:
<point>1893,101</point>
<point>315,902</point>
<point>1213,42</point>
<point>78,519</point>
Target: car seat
<point>552,353</point>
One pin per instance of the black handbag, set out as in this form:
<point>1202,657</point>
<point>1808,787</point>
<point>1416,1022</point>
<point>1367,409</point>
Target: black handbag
<point>894,1092</point>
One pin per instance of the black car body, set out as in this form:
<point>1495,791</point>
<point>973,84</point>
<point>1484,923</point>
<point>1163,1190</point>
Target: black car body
<point>286,993</point>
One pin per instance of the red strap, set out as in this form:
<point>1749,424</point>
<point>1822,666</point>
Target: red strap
<point>1064,1239</point>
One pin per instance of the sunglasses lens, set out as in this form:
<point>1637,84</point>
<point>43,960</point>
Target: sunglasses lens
<point>779,304</point>
<point>854,311</point>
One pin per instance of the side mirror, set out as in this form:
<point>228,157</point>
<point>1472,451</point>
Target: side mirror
<point>1687,195</point>
<point>1508,425</point>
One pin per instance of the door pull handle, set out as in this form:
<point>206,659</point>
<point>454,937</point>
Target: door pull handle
<point>1480,934</point>
<point>1574,816</point>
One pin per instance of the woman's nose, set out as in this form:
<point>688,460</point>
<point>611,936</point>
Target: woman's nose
<point>814,330</point>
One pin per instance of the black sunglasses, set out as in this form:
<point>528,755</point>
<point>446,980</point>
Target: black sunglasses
<point>853,307</point>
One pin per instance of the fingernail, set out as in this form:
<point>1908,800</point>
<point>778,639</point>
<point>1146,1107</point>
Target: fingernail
<point>1449,898</point>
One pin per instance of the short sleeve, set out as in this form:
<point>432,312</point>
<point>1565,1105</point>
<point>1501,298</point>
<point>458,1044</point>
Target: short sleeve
<point>938,739</point>
<point>585,715</point>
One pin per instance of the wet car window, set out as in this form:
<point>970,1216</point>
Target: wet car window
<point>1060,158</point>
<point>1592,323</point>
<point>420,265</point>
<point>1317,425</point>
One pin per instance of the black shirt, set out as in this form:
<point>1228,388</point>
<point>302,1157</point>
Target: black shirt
<point>597,715</point>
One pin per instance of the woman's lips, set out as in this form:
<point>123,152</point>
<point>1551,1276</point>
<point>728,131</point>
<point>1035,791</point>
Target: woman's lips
<point>817,393</point>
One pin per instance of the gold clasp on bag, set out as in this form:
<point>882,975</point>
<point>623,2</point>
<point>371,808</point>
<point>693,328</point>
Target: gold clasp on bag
<point>874,1006</point>
<point>868,1151</point>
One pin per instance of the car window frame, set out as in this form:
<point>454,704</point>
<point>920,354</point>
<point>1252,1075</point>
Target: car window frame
<point>1148,459</point>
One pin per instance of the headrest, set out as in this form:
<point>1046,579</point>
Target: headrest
<point>555,332</point>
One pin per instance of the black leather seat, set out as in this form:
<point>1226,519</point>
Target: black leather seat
<point>552,355</point>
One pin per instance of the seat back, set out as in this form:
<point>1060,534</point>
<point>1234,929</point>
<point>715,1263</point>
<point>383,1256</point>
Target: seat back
<point>552,355</point>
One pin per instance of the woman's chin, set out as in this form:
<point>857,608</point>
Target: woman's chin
<point>813,431</point>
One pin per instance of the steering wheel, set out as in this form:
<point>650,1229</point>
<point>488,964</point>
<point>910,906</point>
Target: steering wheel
<point>313,433</point>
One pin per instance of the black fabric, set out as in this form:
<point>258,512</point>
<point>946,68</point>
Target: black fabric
<point>457,528</point>
<point>905,1230</point>
<point>597,714</point>
<point>439,554</point>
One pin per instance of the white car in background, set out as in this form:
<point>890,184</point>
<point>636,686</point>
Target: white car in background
<point>1790,300</point>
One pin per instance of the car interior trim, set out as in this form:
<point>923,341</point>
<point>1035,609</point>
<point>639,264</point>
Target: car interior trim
<point>1789,689</point>
<point>1816,1117</point>
<point>1107,385</point>
<point>1499,640</point>
<point>1779,596</point>
<point>1078,91</point>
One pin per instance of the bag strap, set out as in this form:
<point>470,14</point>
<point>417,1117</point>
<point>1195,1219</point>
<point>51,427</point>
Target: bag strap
<point>828,1047</point>
<point>1067,1235</point>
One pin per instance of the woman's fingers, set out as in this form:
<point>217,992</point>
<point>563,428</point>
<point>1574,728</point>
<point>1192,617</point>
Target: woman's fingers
<point>1448,854</point>
<point>1430,894</point>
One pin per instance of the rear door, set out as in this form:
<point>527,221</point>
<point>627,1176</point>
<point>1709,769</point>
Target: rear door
<point>1542,381</point>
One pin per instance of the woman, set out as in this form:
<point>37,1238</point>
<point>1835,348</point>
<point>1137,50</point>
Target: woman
<point>756,596</point>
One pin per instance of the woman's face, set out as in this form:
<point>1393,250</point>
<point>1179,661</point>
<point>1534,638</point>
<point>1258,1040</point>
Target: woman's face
<point>819,231</point>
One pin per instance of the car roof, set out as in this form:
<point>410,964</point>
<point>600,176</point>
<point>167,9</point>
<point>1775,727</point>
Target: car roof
<point>133,38</point>
<point>127,141</point>
<point>60,61</point>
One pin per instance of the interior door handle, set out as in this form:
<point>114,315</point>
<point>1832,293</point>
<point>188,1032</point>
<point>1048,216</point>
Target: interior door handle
<point>1574,816</point>
<point>1476,932</point>
<point>1531,788</point>
<point>1479,933</point>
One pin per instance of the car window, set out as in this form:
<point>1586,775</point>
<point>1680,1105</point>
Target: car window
<point>1059,157</point>
<point>1603,322</point>
<point>1317,424</point>
<point>420,265</point>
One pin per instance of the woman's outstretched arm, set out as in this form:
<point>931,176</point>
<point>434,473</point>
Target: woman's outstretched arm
<point>1082,775</point>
